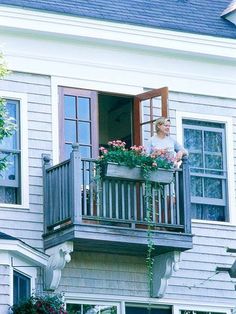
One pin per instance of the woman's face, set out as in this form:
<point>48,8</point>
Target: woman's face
<point>164,128</point>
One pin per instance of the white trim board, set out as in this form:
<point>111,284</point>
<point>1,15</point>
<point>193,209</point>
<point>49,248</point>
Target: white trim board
<point>22,97</point>
<point>53,23</point>
<point>228,121</point>
<point>177,304</point>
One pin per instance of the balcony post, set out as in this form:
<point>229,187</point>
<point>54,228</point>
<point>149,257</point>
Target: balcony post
<point>46,159</point>
<point>76,183</point>
<point>186,195</point>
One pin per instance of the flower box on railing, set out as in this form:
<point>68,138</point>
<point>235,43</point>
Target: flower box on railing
<point>114,170</point>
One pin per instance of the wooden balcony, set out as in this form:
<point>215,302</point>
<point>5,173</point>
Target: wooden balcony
<point>109,215</point>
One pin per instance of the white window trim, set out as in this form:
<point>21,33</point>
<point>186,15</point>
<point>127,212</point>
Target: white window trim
<point>93,302</point>
<point>228,121</point>
<point>178,308</point>
<point>22,98</point>
<point>23,259</point>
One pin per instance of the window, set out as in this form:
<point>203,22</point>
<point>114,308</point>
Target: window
<point>205,142</point>
<point>21,287</point>
<point>10,183</point>
<point>91,309</point>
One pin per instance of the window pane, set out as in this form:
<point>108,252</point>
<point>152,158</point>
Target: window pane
<point>70,106</point>
<point>90,309</point>
<point>83,108</point>
<point>212,141</point>
<point>85,151</point>
<point>213,162</point>
<point>193,139</point>
<point>68,150</point>
<point>84,132</point>
<point>196,186</point>
<point>208,212</point>
<point>195,161</point>
<point>74,308</point>
<point>146,310</point>
<point>145,110</point>
<point>213,188</point>
<point>70,131</point>
<point>8,195</point>
<point>10,172</point>
<point>11,142</point>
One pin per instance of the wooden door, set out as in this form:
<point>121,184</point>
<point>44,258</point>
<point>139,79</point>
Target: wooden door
<point>148,107</point>
<point>78,122</point>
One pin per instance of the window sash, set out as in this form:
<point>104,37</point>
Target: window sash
<point>202,172</point>
<point>21,287</point>
<point>15,151</point>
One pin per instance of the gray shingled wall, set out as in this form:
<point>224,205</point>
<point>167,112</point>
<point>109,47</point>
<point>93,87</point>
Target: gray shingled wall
<point>196,281</point>
<point>27,223</point>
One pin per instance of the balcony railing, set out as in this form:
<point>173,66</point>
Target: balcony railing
<point>73,195</point>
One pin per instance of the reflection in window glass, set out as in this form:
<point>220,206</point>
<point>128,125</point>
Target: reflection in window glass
<point>85,151</point>
<point>84,132</point>
<point>205,143</point>
<point>147,310</point>
<point>21,287</point>
<point>212,188</point>
<point>10,151</point>
<point>208,212</point>
<point>70,131</point>
<point>196,186</point>
<point>193,139</point>
<point>90,309</point>
<point>68,150</point>
<point>83,108</point>
<point>70,106</point>
<point>213,141</point>
<point>213,162</point>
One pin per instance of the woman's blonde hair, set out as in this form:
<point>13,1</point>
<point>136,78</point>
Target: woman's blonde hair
<point>160,121</point>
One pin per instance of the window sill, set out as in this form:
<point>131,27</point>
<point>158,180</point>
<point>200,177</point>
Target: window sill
<point>14,206</point>
<point>213,222</point>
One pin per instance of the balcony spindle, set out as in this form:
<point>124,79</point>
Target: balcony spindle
<point>186,196</point>
<point>76,184</point>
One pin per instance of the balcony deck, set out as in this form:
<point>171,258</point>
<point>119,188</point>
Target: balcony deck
<point>109,215</point>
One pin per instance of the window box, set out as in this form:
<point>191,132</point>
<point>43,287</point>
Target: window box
<point>114,170</point>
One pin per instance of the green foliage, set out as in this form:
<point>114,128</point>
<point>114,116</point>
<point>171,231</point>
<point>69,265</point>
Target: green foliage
<point>3,67</point>
<point>44,304</point>
<point>135,156</point>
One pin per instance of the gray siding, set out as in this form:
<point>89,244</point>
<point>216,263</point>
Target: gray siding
<point>196,281</point>
<point>27,224</point>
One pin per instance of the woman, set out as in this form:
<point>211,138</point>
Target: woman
<point>163,141</point>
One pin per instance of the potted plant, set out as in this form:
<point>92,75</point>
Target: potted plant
<point>117,161</point>
<point>42,304</point>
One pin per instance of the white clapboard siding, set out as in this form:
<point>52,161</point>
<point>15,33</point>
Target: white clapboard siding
<point>4,288</point>
<point>27,224</point>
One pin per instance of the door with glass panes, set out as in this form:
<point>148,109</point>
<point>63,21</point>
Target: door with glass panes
<point>93,118</point>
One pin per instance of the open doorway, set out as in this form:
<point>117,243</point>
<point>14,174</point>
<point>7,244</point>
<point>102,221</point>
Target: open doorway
<point>115,118</point>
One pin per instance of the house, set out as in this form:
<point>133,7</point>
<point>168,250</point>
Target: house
<point>85,72</point>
